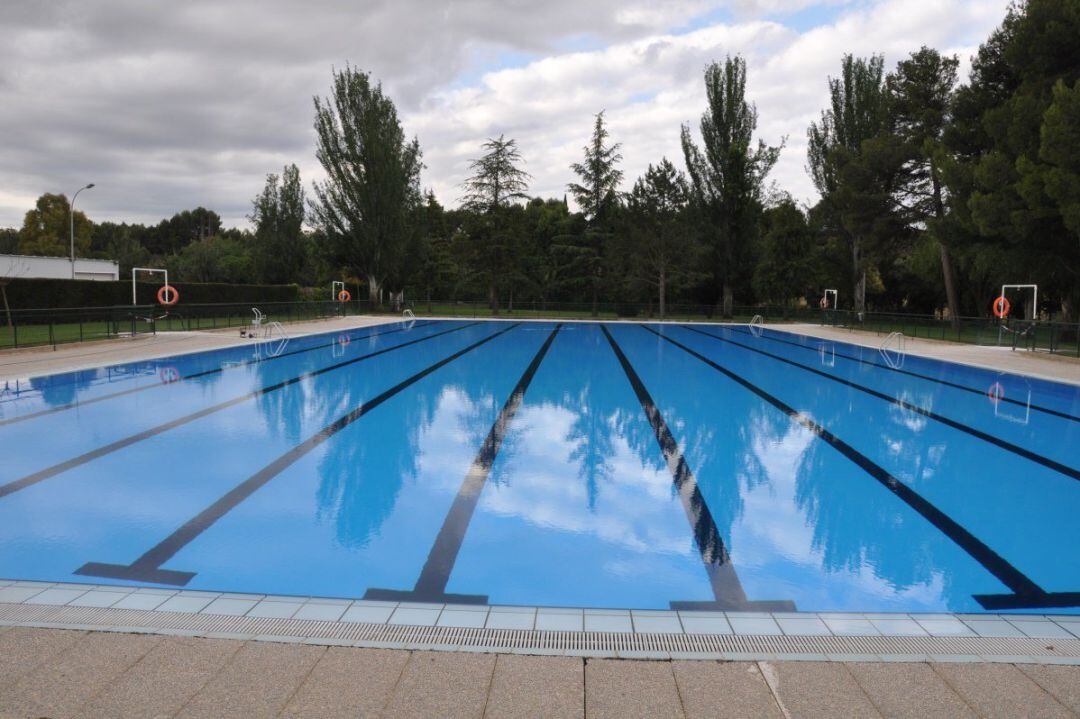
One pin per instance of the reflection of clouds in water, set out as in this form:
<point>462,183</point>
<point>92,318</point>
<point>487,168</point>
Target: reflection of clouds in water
<point>774,524</point>
<point>457,428</point>
<point>538,483</point>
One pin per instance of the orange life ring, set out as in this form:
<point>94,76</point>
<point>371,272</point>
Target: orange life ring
<point>163,295</point>
<point>343,339</point>
<point>824,303</point>
<point>1001,307</point>
<point>995,392</point>
<point>169,375</point>
<point>344,296</point>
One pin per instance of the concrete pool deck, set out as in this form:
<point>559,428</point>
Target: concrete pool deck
<point>69,673</point>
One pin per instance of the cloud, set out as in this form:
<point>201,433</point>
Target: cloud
<point>169,106</point>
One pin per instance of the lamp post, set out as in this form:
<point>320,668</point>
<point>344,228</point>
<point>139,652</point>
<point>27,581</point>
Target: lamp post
<point>72,213</point>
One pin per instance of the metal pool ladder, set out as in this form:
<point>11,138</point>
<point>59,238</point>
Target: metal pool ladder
<point>755,325</point>
<point>894,355</point>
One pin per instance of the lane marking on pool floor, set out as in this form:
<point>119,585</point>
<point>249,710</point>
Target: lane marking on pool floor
<point>435,574</point>
<point>727,589</point>
<point>195,375</point>
<point>977,433</point>
<point>43,474</point>
<point>1026,593</point>
<point>899,370</point>
<point>147,568</point>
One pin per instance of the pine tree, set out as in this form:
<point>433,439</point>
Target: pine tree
<point>598,196</point>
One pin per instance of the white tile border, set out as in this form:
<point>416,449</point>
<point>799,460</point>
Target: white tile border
<point>550,629</point>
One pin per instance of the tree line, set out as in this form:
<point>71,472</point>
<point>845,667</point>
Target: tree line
<point>932,193</point>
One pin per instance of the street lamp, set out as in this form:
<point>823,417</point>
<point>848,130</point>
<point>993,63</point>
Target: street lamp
<point>72,211</point>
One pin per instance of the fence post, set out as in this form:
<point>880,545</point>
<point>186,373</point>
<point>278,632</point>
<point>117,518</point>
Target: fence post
<point>52,340</point>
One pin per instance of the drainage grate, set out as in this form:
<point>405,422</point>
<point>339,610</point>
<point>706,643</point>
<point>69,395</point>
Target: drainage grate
<point>535,641</point>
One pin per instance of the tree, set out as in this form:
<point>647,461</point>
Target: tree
<point>219,258</point>
<point>435,269</point>
<point>46,229</point>
<point>555,260</point>
<point>497,181</point>
<point>1011,153</point>
<point>785,268</point>
<point>372,180</point>
<point>174,234</point>
<point>1059,148</point>
<point>279,249</point>
<point>663,247</point>
<point>597,194</point>
<point>920,95</point>
<point>728,175</point>
<point>857,113</point>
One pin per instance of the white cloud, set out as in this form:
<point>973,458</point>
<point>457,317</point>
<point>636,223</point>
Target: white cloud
<point>171,106</point>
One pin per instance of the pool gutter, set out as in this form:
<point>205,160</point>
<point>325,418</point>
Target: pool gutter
<point>620,633</point>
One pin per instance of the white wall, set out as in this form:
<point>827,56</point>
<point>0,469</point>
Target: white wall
<point>56,268</point>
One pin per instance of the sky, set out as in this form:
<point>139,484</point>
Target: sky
<point>169,106</point>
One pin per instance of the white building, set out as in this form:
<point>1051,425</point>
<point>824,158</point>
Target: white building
<point>16,267</point>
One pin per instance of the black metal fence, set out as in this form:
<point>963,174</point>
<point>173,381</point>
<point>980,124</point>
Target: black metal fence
<point>1052,337</point>
<point>31,328</point>
<point>26,328</point>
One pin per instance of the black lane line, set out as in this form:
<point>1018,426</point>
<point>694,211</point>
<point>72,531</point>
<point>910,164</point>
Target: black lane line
<point>727,589</point>
<point>147,568</point>
<point>48,472</point>
<point>979,434</point>
<point>947,383</point>
<point>204,373</point>
<point>994,563</point>
<point>431,585</point>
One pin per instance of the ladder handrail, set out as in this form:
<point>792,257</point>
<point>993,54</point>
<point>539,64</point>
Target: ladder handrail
<point>894,357</point>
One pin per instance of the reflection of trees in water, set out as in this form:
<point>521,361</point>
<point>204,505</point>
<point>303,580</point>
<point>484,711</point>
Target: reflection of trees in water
<point>360,478</point>
<point>284,410</point>
<point>898,545</point>
<point>55,393</point>
<point>590,434</point>
<point>592,406</point>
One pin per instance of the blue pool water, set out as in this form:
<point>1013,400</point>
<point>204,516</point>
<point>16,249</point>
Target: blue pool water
<point>576,464</point>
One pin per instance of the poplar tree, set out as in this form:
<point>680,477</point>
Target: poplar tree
<point>372,181</point>
<point>728,175</point>
<point>856,113</point>
<point>278,216</point>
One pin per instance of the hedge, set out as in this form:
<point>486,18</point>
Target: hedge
<point>50,294</point>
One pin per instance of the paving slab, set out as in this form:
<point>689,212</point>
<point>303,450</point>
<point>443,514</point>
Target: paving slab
<point>61,685</point>
<point>1063,683</point>
<point>909,690</point>
<point>442,684</point>
<point>256,682</point>
<point>624,689</point>
<point>348,683</point>
<point>722,690</point>
<point>23,649</point>
<point>1000,690</point>
<point>522,686</point>
<point>163,681</point>
<point>818,689</point>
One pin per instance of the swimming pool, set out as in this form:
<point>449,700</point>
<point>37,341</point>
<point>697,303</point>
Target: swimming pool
<point>574,464</point>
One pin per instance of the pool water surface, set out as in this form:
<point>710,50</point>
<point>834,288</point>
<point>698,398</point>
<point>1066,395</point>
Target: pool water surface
<point>647,466</point>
